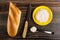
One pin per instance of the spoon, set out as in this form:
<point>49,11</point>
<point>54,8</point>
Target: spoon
<point>35,29</point>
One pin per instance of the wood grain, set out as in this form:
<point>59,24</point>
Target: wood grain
<point>23,5</point>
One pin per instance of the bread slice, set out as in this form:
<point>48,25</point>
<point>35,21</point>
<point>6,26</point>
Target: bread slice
<point>13,20</point>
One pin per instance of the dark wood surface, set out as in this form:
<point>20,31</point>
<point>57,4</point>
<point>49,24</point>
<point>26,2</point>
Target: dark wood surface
<point>23,6</point>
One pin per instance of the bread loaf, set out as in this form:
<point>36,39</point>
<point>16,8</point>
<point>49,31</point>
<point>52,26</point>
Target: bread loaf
<point>13,20</point>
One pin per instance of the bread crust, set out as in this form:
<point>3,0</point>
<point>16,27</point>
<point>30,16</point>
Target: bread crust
<point>13,20</point>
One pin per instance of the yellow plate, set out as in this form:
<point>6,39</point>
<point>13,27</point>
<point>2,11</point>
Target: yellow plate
<point>49,18</point>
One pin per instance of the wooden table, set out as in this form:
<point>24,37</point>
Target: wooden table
<point>23,6</point>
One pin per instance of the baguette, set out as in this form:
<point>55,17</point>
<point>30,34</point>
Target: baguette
<point>13,20</point>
